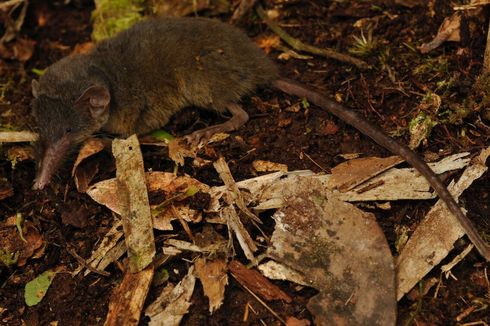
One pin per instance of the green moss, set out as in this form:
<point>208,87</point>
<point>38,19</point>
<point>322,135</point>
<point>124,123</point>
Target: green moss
<point>113,16</point>
<point>8,258</point>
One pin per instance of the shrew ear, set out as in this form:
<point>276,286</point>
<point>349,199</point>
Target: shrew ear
<point>35,88</point>
<point>96,99</point>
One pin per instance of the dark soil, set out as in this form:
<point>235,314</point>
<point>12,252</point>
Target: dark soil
<point>308,139</point>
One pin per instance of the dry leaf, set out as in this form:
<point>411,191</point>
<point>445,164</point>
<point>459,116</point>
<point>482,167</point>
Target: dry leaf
<point>213,277</point>
<point>347,175</point>
<point>338,249</point>
<point>23,246</point>
<point>448,31</point>
<point>108,250</point>
<point>128,298</point>
<point>268,43</point>
<point>435,235</point>
<point>165,184</point>
<point>136,215</point>
<point>256,283</point>
<point>173,302</point>
<point>20,153</point>
<point>82,48</point>
<point>17,136</point>
<point>178,151</point>
<point>267,166</point>
<point>20,50</point>
<point>90,147</point>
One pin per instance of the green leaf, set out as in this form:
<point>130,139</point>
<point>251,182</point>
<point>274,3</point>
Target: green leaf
<point>38,72</point>
<point>19,220</point>
<point>161,135</point>
<point>36,289</point>
<point>191,191</point>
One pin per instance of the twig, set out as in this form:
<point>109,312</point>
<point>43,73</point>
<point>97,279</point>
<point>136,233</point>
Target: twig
<point>275,314</point>
<point>486,57</point>
<point>243,8</point>
<point>9,3</point>
<point>82,262</point>
<point>300,46</point>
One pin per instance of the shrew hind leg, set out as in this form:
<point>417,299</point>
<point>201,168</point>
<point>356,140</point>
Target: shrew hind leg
<point>239,118</point>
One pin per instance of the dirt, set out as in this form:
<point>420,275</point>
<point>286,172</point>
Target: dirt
<point>307,139</point>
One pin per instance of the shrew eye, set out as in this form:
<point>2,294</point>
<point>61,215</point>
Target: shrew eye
<point>68,130</point>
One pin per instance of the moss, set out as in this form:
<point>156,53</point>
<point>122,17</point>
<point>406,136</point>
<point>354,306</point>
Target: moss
<point>113,16</point>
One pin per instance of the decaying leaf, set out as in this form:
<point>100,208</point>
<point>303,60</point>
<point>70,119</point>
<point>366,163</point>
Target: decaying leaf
<point>36,289</point>
<point>268,43</point>
<point>84,170</point>
<point>448,31</point>
<point>347,175</point>
<point>128,298</point>
<point>257,283</point>
<point>266,192</point>
<point>435,235</point>
<point>267,166</point>
<point>213,277</point>
<point>21,50</point>
<point>136,215</point>
<point>17,136</point>
<point>178,151</point>
<point>341,251</point>
<point>166,185</point>
<point>109,250</point>
<point>19,241</point>
<point>172,303</point>
<point>276,271</point>
<point>17,154</point>
<point>90,147</point>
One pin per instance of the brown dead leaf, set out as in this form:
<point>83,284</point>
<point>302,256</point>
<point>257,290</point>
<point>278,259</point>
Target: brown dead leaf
<point>284,122</point>
<point>82,48</point>
<point>11,243</point>
<point>341,251</point>
<point>84,174</point>
<point>75,215</point>
<point>134,286</point>
<point>90,147</point>
<point>292,321</point>
<point>166,185</point>
<point>133,196</point>
<point>267,166</point>
<point>329,128</point>
<point>20,153</point>
<point>257,283</point>
<point>21,50</point>
<point>213,279</point>
<point>84,170</point>
<point>347,175</point>
<point>178,151</point>
<point>435,236</point>
<point>267,43</point>
<point>173,302</point>
<point>448,31</point>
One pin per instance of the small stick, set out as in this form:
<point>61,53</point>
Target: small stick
<point>300,46</point>
<point>486,57</point>
<point>8,4</point>
<point>243,8</point>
